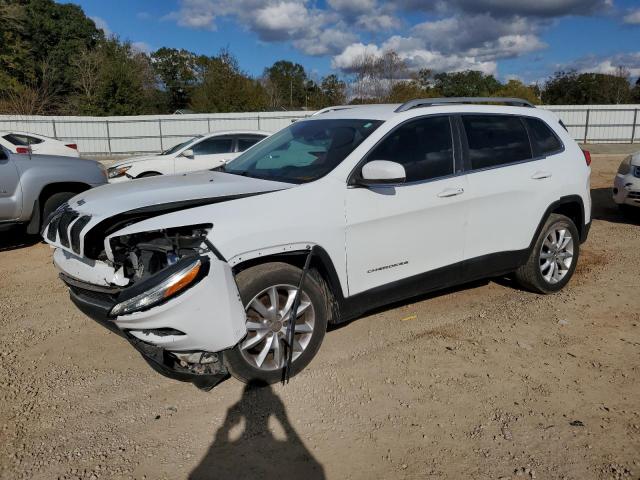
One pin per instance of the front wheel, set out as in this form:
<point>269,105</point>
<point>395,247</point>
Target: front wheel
<point>267,292</point>
<point>553,258</point>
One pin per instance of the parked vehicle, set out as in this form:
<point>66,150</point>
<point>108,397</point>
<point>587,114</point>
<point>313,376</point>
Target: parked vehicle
<point>25,143</point>
<point>626,185</point>
<point>32,187</point>
<point>200,272</point>
<point>202,152</point>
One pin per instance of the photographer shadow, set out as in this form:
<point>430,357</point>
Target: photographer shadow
<point>257,453</point>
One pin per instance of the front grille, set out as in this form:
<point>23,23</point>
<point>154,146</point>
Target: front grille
<point>634,194</point>
<point>63,218</point>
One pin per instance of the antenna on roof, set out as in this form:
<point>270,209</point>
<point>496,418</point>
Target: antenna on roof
<point>431,102</point>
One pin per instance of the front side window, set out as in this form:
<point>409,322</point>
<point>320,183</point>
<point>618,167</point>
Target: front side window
<point>424,147</point>
<point>495,140</point>
<point>212,146</point>
<point>304,151</point>
<point>544,141</point>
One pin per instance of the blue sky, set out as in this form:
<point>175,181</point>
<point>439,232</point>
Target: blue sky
<point>509,38</point>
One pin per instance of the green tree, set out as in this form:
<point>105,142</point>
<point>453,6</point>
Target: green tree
<point>333,90</point>
<point>517,89</point>
<point>573,88</point>
<point>115,79</point>
<point>178,73</point>
<point>286,84</point>
<point>225,88</point>
<point>470,83</point>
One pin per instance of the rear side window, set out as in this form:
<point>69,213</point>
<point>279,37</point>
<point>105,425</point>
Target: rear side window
<point>21,140</point>
<point>543,140</point>
<point>424,148</point>
<point>495,140</point>
<point>212,146</point>
<point>246,142</point>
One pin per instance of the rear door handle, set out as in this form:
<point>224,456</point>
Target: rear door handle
<point>451,192</point>
<point>541,175</point>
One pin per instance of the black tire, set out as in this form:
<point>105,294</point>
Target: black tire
<point>148,174</point>
<point>530,276</point>
<point>256,279</point>
<point>53,202</point>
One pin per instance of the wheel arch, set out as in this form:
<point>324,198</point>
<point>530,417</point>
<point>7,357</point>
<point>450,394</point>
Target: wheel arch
<point>46,191</point>
<point>571,206</point>
<point>148,173</point>
<point>320,262</point>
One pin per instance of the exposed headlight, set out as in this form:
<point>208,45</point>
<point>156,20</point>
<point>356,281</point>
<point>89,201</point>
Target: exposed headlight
<point>115,172</point>
<point>636,172</point>
<point>170,286</point>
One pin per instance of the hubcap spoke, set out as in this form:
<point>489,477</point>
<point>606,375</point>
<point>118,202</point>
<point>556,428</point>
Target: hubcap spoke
<point>255,340</point>
<point>556,254</point>
<point>267,318</point>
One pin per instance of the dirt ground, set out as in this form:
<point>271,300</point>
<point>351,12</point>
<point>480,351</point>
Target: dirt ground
<point>484,381</point>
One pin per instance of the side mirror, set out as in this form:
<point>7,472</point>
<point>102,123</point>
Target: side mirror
<point>188,153</point>
<point>380,172</point>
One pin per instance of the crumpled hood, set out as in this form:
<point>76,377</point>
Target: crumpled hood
<point>117,198</point>
<point>97,212</point>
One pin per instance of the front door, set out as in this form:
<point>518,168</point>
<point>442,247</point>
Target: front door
<point>10,191</point>
<point>398,231</point>
<point>207,154</point>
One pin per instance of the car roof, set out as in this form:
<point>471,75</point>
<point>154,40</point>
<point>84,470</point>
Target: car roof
<point>416,108</point>
<point>18,132</point>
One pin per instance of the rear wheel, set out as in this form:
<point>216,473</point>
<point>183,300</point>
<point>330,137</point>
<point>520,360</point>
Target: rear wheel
<point>267,292</point>
<point>553,258</point>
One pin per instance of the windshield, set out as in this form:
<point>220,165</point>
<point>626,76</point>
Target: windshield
<point>304,151</point>
<point>177,147</point>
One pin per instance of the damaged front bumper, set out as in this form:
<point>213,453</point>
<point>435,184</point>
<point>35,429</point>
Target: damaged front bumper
<point>183,338</point>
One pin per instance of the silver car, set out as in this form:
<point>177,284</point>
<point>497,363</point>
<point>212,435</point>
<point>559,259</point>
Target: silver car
<point>34,186</point>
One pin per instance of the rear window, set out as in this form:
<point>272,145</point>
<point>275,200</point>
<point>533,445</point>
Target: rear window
<point>21,140</point>
<point>212,146</point>
<point>246,142</point>
<point>495,140</point>
<point>543,140</point>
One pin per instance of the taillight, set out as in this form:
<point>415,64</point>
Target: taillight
<point>587,157</point>
<point>72,145</point>
<point>23,150</point>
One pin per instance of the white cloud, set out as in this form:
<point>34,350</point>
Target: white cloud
<point>353,7</point>
<point>632,17</point>
<point>102,25</point>
<point>601,64</point>
<point>416,57</point>
<point>199,14</point>
<point>532,8</point>
<point>142,47</point>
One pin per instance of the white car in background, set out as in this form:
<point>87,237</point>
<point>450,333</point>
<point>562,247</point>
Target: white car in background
<point>202,152</point>
<point>25,143</point>
<point>626,185</point>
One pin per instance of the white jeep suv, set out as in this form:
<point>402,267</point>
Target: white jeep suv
<point>373,204</point>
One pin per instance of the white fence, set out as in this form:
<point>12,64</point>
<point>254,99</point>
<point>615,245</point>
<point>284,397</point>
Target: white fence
<point>143,133</point>
<point>154,133</point>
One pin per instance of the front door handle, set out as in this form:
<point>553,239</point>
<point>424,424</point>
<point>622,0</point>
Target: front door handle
<point>541,175</point>
<point>451,192</point>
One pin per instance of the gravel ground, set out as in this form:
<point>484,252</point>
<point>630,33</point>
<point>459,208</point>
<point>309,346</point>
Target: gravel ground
<point>484,381</point>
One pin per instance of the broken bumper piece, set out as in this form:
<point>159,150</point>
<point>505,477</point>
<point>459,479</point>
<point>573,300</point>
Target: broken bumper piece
<point>184,337</point>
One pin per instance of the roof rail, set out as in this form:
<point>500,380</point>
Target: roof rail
<point>331,109</point>
<point>430,102</point>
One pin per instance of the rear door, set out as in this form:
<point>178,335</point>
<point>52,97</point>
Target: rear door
<point>10,191</point>
<point>509,184</point>
<point>398,231</point>
<point>207,154</point>
<point>242,143</point>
